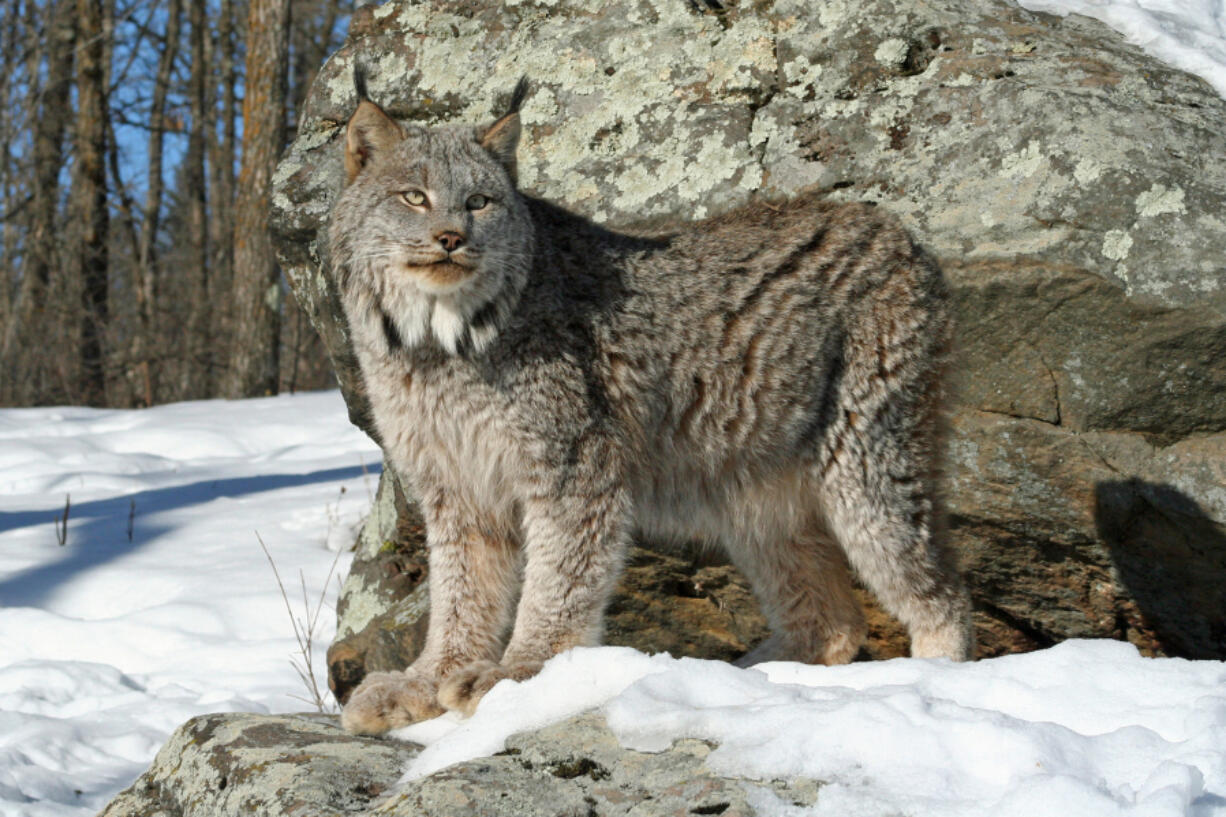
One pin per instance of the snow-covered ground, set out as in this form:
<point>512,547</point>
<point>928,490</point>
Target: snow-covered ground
<point>1086,728</point>
<point>1188,34</point>
<point>108,642</point>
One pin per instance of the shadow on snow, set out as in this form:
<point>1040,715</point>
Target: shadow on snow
<point>97,530</point>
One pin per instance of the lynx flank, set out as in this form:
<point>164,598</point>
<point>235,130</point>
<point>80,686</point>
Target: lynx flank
<point>768,380</point>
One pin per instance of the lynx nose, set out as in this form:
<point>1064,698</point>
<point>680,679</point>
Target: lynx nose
<point>450,240</point>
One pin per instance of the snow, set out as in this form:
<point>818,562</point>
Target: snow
<point>1086,727</point>
<point>1188,34</point>
<point>109,643</point>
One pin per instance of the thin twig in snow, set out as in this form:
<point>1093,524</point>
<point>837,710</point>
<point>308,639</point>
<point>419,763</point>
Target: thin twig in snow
<point>304,631</point>
<point>61,522</point>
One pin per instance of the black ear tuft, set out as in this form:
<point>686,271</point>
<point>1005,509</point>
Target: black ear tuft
<point>502,137</point>
<point>359,80</point>
<point>518,96</point>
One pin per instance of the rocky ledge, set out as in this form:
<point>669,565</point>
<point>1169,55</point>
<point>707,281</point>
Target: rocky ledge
<point>275,765</point>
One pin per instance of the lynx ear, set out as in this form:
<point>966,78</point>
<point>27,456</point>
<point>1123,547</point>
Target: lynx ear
<point>502,138</point>
<point>369,131</point>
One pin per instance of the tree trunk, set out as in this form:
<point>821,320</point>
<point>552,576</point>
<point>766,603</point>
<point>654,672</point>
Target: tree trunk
<point>50,120</point>
<point>9,122</point>
<point>257,286</point>
<point>90,196</point>
<point>197,360</point>
<point>221,166</point>
<point>146,289</point>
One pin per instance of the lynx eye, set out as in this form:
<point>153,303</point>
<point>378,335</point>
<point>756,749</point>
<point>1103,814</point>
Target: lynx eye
<point>477,202</point>
<point>416,198</point>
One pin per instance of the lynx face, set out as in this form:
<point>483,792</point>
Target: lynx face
<point>444,237</point>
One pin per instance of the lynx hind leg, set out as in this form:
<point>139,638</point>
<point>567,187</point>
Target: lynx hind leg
<point>887,531</point>
<point>879,476</point>
<point>804,587</point>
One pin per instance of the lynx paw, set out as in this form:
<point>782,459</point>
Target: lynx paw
<point>954,641</point>
<point>464,688</point>
<point>839,648</point>
<point>389,700</point>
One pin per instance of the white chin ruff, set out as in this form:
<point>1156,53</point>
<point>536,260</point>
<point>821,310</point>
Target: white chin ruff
<point>461,319</point>
<point>448,325</point>
<point>457,325</point>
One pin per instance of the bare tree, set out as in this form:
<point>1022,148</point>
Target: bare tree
<point>195,372</point>
<point>90,196</point>
<point>10,59</point>
<point>49,117</point>
<point>254,354</point>
<point>222,140</point>
<point>146,291</point>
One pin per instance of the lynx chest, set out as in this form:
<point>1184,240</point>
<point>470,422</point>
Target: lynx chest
<point>444,428</point>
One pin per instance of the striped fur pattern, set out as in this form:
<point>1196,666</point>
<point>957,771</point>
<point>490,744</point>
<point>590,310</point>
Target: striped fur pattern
<point>768,380</point>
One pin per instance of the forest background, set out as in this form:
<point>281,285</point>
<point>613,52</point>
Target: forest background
<point>137,144</point>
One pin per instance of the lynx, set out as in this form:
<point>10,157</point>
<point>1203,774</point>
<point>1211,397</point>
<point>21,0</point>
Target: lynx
<point>768,380</point>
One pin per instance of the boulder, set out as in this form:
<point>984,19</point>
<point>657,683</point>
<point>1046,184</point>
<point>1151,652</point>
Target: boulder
<point>272,765</point>
<point>1068,183</point>
<point>306,765</point>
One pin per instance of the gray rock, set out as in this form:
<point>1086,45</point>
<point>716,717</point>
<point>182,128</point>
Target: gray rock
<point>270,765</point>
<point>389,558</point>
<point>305,765</point>
<point>1071,186</point>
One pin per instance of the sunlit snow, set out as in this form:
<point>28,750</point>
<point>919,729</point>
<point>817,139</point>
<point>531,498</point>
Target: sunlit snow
<point>1087,728</point>
<point>107,643</point>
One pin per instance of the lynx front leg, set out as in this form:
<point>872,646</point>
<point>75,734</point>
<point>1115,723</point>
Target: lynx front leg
<point>575,547</point>
<point>472,586</point>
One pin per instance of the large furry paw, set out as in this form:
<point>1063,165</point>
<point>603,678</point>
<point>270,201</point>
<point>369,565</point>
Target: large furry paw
<point>463,689</point>
<point>954,641</point>
<point>840,648</point>
<point>389,700</point>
